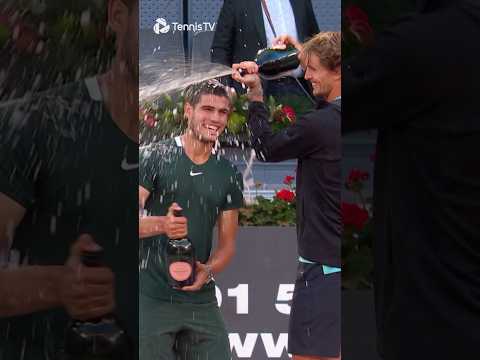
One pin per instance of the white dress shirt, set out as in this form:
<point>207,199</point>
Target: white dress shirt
<point>283,21</point>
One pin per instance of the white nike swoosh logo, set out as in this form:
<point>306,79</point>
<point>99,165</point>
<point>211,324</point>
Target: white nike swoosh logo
<point>195,174</point>
<point>126,166</point>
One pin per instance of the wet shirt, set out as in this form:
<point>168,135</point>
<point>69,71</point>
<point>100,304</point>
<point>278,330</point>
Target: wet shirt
<point>203,192</point>
<point>66,162</point>
<point>314,139</point>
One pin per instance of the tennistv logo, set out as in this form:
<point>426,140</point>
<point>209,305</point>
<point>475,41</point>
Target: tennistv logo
<point>162,26</point>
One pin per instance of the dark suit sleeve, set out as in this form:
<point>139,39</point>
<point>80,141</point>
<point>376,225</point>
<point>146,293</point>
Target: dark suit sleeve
<point>312,20</point>
<point>293,142</point>
<point>224,38</point>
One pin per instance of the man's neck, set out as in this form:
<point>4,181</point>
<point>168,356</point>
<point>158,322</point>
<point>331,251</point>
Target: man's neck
<point>198,151</point>
<point>120,95</point>
<point>335,93</point>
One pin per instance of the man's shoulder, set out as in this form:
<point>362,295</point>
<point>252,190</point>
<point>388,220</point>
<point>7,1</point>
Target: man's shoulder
<point>54,97</point>
<point>325,110</point>
<point>164,145</point>
<point>225,165</point>
<point>162,150</point>
<point>325,119</point>
<point>228,177</point>
<point>59,109</point>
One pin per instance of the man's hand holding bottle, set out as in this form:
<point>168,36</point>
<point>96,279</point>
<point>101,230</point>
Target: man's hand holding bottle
<point>246,73</point>
<point>86,292</point>
<point>282,41</point>
<point>203,276</point>
<point>176,227</point>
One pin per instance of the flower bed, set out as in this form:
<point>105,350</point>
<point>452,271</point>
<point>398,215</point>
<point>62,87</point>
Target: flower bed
<point>279,211</point>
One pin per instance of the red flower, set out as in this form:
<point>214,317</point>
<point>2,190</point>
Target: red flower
<point>289,112</point>
<point>357,175</point>
<point>354,215</point>
<point>286,195</point>
<point>355,13</point>
<point>149,118</point>
<point>288,179</point>
<point>26,39</point>
<point>358,24</point>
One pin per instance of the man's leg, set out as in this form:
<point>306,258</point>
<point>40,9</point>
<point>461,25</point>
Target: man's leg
<point>315,318</point>
<point>159,324</point>
<point>205,336</point>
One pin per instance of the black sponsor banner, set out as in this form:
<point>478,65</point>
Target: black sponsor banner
<point>255,290</point>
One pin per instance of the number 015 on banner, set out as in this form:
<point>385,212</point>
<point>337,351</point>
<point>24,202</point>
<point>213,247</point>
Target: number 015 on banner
<point>241,294</point>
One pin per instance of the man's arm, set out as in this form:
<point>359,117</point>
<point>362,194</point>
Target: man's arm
<point>223,253</point>
<point>293,142</point>
<point>29,288</point>
<point>148,225</point>
<point>174,226</point>
<point>151,226</point>
<point>11,213</point>
<point>224,38</point>
<point>86,294</point>
<point>227,233</point>
<point>296,141</point>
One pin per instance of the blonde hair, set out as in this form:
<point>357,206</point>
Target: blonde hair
<point>327,46</point>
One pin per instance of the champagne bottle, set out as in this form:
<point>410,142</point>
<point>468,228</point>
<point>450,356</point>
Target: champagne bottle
<point>276,63</point>
<point>97,339</point>
<point>181,261</point>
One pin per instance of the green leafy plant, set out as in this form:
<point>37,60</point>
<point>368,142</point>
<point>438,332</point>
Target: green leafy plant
<point>279,211</point>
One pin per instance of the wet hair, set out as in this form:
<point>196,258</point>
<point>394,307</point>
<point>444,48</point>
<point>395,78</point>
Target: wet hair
<point>327,46</point>
<point>194,92</point>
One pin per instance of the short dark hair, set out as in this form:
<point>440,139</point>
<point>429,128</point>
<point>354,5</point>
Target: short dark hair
<point>194,92</point>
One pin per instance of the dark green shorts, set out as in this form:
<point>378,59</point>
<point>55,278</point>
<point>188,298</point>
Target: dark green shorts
<point>172,331</point>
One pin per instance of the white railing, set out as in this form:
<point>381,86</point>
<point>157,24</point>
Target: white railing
<point>252,194</point>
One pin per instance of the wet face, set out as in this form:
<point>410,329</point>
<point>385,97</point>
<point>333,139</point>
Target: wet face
<point>322,78</point>
<point>208,118</point>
